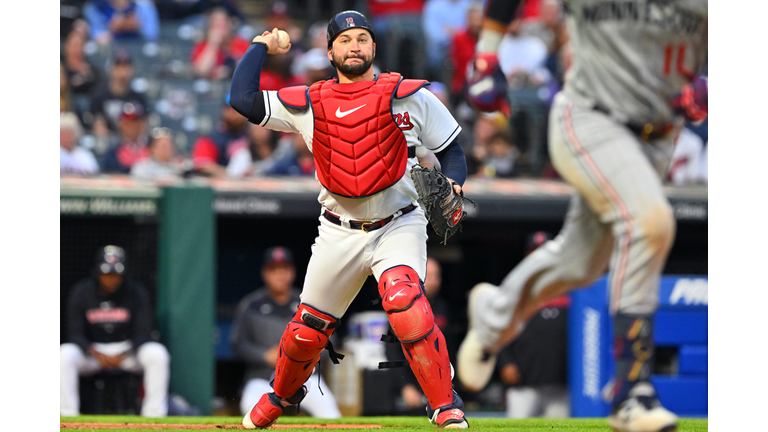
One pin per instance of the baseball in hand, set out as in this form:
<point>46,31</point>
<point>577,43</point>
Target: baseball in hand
<point>283,39</point>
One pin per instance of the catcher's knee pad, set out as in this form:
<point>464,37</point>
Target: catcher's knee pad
<point>406,305</point>
<point>303,340</point>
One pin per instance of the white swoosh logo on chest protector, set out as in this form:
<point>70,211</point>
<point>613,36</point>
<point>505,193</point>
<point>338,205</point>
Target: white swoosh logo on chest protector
<point>340,113</point>
<point>302,339</point>
<point>399,293</point>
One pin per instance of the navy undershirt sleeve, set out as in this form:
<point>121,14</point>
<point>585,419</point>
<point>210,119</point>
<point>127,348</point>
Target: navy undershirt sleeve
<point>452,162</point>
<point>244,94</point>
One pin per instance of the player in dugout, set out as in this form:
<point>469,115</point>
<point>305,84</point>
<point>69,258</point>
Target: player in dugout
<point>365,133</point>
<point>633,79</point>
<point>109,322</point>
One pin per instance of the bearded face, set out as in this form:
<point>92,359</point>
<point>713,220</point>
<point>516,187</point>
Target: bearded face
<point>353,64</point>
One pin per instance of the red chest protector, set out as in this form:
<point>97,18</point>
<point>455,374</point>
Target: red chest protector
<point>357,146</point>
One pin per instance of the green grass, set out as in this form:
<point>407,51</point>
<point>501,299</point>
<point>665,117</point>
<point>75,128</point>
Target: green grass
<point>391,424</point>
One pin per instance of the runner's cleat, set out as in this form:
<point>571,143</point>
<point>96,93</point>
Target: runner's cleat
<point>642,412</point>
<point>474,363</point>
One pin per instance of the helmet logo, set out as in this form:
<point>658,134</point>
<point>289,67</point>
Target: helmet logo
<point>350,21</point>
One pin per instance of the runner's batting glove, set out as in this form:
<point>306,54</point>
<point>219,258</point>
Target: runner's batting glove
<point>444,207</point>
<point>692,101</point>
<point>487,85</point>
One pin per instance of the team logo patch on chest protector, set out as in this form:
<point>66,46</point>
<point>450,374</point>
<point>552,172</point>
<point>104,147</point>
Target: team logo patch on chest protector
<point>357,146</point>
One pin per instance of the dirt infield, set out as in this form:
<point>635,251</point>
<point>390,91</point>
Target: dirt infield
<point>209,426</point>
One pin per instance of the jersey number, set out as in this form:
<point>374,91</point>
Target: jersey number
<point>404,121</point>
<point>669,52</point>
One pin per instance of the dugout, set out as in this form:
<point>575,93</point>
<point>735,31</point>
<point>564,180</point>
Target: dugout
<point>197,245</point>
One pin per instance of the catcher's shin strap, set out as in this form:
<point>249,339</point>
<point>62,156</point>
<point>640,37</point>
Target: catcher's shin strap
<point>391,338</point>
<point>365,225</point>
<point>646,131</point>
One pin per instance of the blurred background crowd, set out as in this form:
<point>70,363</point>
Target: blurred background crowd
<point>144,83</point>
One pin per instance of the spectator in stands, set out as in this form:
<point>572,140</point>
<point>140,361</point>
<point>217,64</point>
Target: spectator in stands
<point>259,321</point>
<point>276,73</point>
<point>211,153</point>
<point>501,156</point>
<point>463,48</point>
<point>109,99</point>
<point>279,17</point>
<point>178,9</point>
<point>122,20</point>
<point>522,57</point>
<point>545,22</point>
<point>255,159</point>
<point>216,56</point>
<point>279,71</point>
<point>70,11</point>
<point>317,36</point>
<point>398,27</point>
<point>486,126</point>
<point>73,158</point>
<point>81,75</point>
<point>410,400</point>
<point>133,141</point>
<point>543,19</point>
<point>297,160</point>
<point>442,20</point>
<point>534,365</point>
<point>312,66</point>
<point>65,102</point>
<point>109,324</point>
<point>689,161</point>
<point>162,163</point>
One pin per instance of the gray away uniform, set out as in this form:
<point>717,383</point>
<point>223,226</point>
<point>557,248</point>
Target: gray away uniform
<point>629,59</point>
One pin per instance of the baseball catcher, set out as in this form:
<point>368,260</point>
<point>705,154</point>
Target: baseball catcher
<point>443,205</point>
<point>364,131</point>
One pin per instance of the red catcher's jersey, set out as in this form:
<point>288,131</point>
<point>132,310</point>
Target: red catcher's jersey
<point>357,146</point>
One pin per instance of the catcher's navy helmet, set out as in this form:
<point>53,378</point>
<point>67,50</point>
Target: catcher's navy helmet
<point>347,20</point>
<point>111,259</point>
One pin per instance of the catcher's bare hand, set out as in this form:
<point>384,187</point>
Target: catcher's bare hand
<point>456,186</point>
<point>270,40</point>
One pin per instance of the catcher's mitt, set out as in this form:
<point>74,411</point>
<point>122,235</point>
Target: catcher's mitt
<point>444,207</point>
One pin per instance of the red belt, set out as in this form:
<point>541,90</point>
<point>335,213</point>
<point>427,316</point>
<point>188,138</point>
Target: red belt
<point>368,226</point>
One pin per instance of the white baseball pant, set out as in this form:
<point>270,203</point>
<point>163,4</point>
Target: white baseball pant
<point>549,401</point>
<point>152,358</point>
<point>619,217</point>
<point>342,258</point>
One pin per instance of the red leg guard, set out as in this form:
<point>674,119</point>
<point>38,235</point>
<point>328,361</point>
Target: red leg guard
<point>413,323</point>
<point>304,339</point>
<point>429,361</point>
